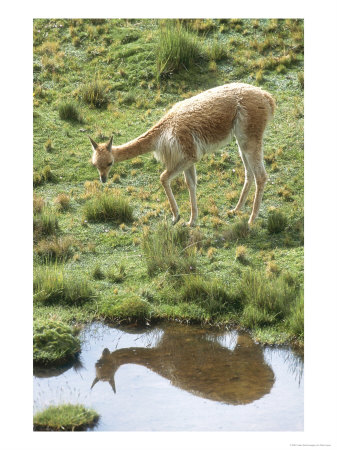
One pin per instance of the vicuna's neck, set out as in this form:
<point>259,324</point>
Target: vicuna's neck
<point>143,144</point>
<point>137,355</point>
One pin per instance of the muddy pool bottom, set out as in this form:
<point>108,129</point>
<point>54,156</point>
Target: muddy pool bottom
<point>178,378</point>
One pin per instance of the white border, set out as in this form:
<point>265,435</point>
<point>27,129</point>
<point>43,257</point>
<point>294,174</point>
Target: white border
<point>320,224</point>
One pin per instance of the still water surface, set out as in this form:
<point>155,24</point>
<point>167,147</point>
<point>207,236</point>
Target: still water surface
<point>178,378</point>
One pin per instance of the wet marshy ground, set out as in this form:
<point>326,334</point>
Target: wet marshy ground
<point>178,378</point>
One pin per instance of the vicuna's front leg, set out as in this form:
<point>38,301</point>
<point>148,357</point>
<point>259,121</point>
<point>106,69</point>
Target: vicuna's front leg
<point>166,177</point>
<point>166,182</point>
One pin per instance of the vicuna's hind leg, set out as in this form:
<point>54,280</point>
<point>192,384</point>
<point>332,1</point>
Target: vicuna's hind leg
<point>252,153</point>
<point>191,181</point>
<point>249,177</point>
<point>255,161</point>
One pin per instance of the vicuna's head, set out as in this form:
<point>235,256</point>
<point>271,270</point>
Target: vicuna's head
<point>106,368</point>
<point>102,158</point>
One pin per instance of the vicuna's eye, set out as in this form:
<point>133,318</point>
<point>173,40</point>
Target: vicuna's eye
<point>110,164</point>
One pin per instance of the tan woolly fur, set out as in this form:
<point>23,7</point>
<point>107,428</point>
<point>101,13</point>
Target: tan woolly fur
<point>194,127</point>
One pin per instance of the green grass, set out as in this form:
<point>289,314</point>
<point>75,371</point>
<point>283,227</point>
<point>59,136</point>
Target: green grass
<point>168,249</point>
<point>241,254</point>
<point>94,93</point>
<point>55,249</point>
<point>277,221</point>
<point>48,145</point>
<point>216,50</point>
<point>43,176</point>
<point>122,76</point>
<point>98,273</point>
<point>267,301</point>
<point>300,77</point>
<point>131,309</point>
<point>65,417</point>
<point>38,204</point>
<point>177,48</point>
<point>62,202</point>
<point>54,342</point>
<point>117,274</point>
<point>296,318</point>
<point>45,223</point>
<point>211,295</point>
<point>69,111</point>
<point>236,231</point>
<point>106,208</point>
<point>52,286</point>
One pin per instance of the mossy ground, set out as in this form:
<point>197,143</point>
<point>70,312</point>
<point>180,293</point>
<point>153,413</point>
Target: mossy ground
<point>54,342</point>
<point>109,69</point>
<point>65,418</point>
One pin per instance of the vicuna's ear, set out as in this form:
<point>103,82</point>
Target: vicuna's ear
<point>94,382</point>
<point>110,144</point>
<point>112,383</point>
<point>93,143</point>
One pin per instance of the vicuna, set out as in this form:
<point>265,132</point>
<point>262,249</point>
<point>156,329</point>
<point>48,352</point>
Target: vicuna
<point>198,365</point>
<point>194,127</point>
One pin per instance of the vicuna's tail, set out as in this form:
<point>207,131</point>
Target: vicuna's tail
<point>271,102</point>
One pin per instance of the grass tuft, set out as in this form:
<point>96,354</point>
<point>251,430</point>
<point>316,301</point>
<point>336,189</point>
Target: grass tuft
<point>52,286</point>
<point>132,308</point>
<point>177,48</point>
<point>65,417</point>
<point>49,48</point>
<point>38,204</point>
<point>45,223</point>
<point>238,230</point>
<point>267,300</point>
<point>168,249</point>
<point>48,146</point>
<point>95,94</point>
<point>296,320</point>
<point>202,26</point>
<point>241,254</point>
<point>259,76</point>
<point>272,269</point>
<point>128,99</point>
<point>300,77</point>
<point>212,295</point>
<point>98,273</point>
<point>62,202</point>
<point>54,342</point>
<point>277,221</point>
<point>43,176</point>
<point>55,249</point>
<point>69,111</point>
<point>216,50</point>
<point>117,274</point>
<point>108,208</point>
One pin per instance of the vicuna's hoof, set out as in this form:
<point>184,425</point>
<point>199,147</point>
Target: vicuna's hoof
<point>174,221</point>
<point>190,224</point>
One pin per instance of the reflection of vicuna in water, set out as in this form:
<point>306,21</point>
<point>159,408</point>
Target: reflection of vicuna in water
<point>198,365</point>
